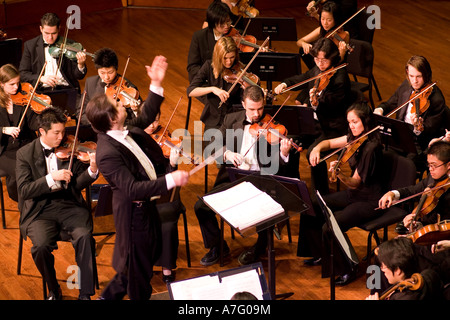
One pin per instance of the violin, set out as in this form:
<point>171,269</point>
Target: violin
<point>317,5</point>
<point>432,233</point>
<point>64,151</point>
<point>39,102</point>
<point>127,94</point>
<point>245,43</point>
<point>272,130</point>
<point>319,85</point>
<point>340,35</point>
<point>68,50</point>
<point>346,154</point>
<point>167,143</point>
<point>247,79</point>
<point>414,283</point>
<point>242,8</point>
<point>420,105</point>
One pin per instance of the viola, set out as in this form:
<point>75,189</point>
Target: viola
<point>69,50</point>
<point>247,79</point>
<point>319,85</point>
<point>242,8</point>
<point>346,154</point>
<point>420,105</point>
<point>127,94</point>
<point>245,43</point>
<point>414,283</point>
<point>338,36</point>
<point>64,151</point>
<point>38,103</point>
<point>272,130</point>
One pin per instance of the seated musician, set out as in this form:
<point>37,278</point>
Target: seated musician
<point>54,80</point>
<point>107,64</point>
<point>209,82</point>
<point>399,259</point>
<point>253,103</point>
<point>418,77</point>
<point>13,137</point>
<point>352,206</point>
<point>218,18</point>
<point>330,18</point>
<point>330,104</point>
<point>438,161</point>
<point>51,203</point>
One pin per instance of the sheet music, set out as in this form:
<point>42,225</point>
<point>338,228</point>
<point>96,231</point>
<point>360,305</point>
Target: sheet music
<point>337,230</point>
<point>213,288</point>
<point>243,205</point>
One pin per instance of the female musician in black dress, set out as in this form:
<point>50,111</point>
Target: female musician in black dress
<point>209,81</point>
<point>352,206</point>
<point>13,137</point>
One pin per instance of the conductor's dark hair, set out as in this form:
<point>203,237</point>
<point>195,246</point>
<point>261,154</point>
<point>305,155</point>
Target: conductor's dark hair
<point>49,116</point>
<point>106,58</point>
<point>329,48</point>
<point>50,19</point>
<point>100,111</point>
<point>217,13</point>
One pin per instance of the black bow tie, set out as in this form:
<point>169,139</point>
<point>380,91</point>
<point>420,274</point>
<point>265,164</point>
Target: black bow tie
<point>48,152</point>
<point>247,122</point>
<point>46,45</point>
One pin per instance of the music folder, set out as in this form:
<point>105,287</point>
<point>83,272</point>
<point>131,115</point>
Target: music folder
<point>222,285</point>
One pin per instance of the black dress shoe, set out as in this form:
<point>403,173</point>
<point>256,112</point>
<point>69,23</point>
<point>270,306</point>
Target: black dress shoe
<point>168,278</point>
<point>213,256</point>
<point>249,256</point>
<point>313,262</point>
<point>84,297</point>
<point>344,279</point>
<point>55,295</point>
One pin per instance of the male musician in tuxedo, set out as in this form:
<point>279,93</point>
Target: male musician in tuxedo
<point>51,204</point>
<point>241,154</point>
<point>438,161</point>
<point>218,16</point>
<point>418,77</point>
<point>54,80</point>
<point>107,63</point>
<point>130,160</point>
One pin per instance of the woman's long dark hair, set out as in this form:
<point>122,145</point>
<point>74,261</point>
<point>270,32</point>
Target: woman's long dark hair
<point>364,112</point>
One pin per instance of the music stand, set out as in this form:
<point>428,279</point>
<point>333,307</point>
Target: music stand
<point>396,134</point>
<point>291,204</point>
<point>341,239</point>
<point>278,29</point>
<point>273,66</point>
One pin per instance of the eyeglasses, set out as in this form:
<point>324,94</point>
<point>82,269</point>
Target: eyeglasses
<point>317,60</point>
<point>434,167</point>
<point>225,24</point>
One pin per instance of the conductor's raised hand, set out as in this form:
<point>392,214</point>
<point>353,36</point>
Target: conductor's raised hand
<point>157,71</point>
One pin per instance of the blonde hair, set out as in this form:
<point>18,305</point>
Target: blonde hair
<point>223,46</point>
<point>7,72</point>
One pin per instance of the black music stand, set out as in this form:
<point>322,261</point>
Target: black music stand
<point>291,204</point>
<point>273,66</point>
<point>278,29</point>
<point>341,238</point>
<point>396,134</point>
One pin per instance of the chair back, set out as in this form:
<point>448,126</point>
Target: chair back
<point>360,61</point>
<point>402,171</point>
<point>364,33</point>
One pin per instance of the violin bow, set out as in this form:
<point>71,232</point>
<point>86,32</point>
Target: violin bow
<point>412,99</point>
<point>313,78</point>
<point>63,46</point>
<point>32,95</point>
<point>266,126</point>
<point>245,69</point>
<point>76,132</point>
<point>350,143</point>
<point>345,22</point>
<point>416,195</point>
<point>123,77</point>
<point>208,160</point>
<point>170,119</point>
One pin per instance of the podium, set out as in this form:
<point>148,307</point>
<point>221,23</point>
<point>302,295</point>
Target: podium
<point>292,205</point>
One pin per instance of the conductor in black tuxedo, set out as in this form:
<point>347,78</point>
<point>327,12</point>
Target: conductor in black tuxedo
<point>242,153</point>
<point>63,80</point>
<point>51,203</point>
<point>135,167</point>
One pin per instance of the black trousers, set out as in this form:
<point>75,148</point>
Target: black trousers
<point>49,227</point>
<point>144,250</point>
